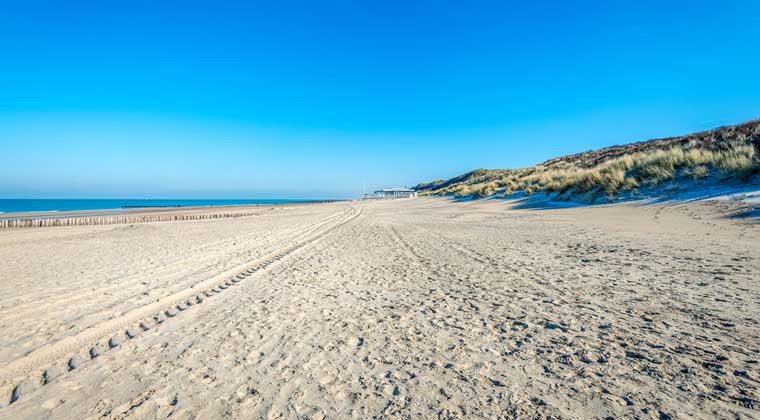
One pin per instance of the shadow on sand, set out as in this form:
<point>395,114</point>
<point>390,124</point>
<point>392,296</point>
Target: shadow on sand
<point>748,194</point>
<point>750,212</point>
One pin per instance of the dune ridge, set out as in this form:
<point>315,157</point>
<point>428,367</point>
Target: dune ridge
<point>654,168</point>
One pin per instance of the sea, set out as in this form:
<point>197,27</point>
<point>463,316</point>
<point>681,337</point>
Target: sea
<point>57,205</point>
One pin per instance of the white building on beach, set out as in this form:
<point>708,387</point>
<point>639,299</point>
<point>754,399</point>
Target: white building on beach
<point>395,193</point>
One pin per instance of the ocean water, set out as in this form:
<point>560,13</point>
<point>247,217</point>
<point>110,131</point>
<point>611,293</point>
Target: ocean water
<point>56,205</point>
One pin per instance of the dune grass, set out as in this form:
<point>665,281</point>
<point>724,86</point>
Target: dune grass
<point>735,157</point>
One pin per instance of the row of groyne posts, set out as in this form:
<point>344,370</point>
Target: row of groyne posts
<point>113,220</point>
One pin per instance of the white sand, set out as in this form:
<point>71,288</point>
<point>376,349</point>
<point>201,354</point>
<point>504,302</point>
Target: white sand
<point>411,308</point>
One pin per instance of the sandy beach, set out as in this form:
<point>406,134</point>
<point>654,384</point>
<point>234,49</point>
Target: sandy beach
<point>421,308</point>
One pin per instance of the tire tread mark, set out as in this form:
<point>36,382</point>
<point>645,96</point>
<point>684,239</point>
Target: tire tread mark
<point>19,370</point>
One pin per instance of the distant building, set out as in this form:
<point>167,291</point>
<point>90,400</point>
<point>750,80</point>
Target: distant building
<point>395,193</point>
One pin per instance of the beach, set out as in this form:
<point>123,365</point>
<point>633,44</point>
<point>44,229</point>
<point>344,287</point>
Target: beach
<point>409,308</point>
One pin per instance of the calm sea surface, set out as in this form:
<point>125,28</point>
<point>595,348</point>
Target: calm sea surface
<point>55,205</point>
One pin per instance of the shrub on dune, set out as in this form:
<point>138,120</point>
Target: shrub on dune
<point>699,171</point>
<point>630,183</point>
<point>739,162</point>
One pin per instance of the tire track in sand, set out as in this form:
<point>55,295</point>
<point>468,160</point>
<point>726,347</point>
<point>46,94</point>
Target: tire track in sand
<point>45,364</point>
<point>77,296</point>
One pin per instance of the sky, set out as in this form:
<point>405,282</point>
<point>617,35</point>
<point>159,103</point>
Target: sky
<point>193,99</point>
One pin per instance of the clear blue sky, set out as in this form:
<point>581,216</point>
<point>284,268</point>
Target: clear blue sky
<point>288,98</point>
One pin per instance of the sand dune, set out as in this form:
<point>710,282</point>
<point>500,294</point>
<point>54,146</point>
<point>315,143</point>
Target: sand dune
<point>411,308</point>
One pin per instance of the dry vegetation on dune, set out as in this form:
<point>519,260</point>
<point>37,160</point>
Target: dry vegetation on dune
<point>727,153</point>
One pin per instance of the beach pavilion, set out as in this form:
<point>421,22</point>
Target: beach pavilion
<point>395,193</point>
